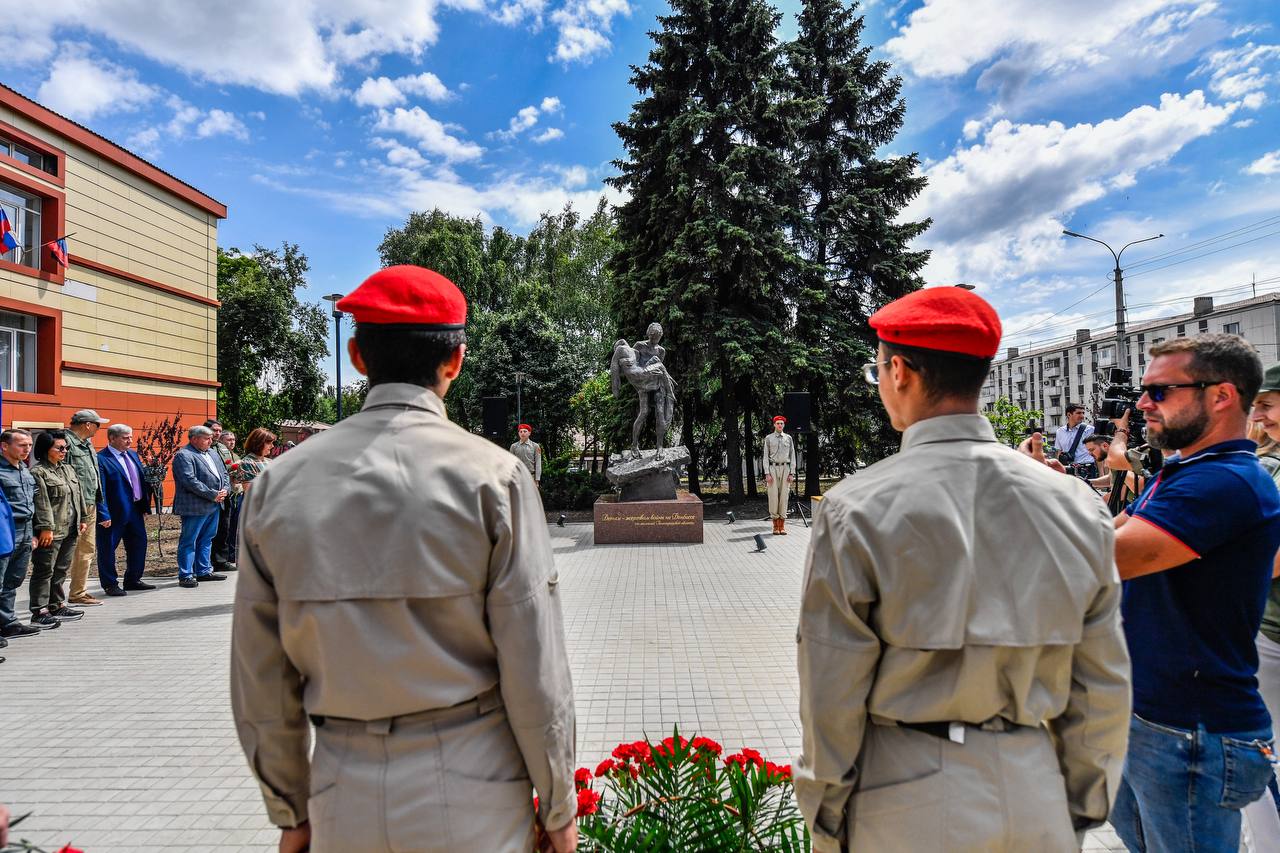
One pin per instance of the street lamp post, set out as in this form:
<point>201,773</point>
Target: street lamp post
<point>1122,349</point>
<point>520,374</point>
<point>332,299</point>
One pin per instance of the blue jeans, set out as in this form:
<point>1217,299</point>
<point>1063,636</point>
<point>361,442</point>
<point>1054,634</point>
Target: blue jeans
<point>1182,791</point>
<point>13,571</point>
<point>195,543</point>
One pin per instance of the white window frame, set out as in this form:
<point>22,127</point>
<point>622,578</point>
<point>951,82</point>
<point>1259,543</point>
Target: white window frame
<point>15,340</point>
<point>27,253</point>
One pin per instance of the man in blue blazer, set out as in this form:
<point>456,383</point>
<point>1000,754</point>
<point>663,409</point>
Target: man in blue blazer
<point>200,484</point>
<point>123,500</point>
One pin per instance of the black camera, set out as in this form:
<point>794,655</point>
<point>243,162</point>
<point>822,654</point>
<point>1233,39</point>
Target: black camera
<point>1121,396</point>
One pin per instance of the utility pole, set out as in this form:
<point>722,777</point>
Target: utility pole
<point>519,396</point>
<point>332,299</point>
<point>1122,349</point>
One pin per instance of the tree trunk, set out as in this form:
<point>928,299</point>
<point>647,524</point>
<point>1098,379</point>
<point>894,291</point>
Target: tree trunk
<point>686,438</point>
<point>733,449</point>
<point>748,437</point>
<point>812,455</point>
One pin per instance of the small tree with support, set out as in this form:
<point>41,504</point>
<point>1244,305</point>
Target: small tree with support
<point>157,445</point>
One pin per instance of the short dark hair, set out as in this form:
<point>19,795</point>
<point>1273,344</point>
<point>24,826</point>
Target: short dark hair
<point>1098,438</point>
<point>8,435</point>
<point>394,353</point>
<point>944,374</point>
<point>45,440</point>
<point>1219,358</point>
<point>1074,407</point>
<point>212,422</point>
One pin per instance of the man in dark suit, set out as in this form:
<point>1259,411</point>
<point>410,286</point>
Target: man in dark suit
<point>200,485</point>
<point>125,497</point>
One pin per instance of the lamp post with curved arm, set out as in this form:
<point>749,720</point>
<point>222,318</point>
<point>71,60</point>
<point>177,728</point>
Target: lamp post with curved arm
<point>1122,353</point>
<point>332,299</point>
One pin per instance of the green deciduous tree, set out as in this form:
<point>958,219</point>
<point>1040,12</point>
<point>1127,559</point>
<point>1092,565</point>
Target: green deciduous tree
<point>1011,422</point>
<point>270,343</point>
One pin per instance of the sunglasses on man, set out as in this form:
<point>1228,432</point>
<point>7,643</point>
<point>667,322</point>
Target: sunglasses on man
<point>1157,392</point>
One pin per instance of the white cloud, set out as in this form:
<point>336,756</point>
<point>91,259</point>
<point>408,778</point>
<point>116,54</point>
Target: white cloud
<point>1267,164</point>
<point>946,38</point>
<point>259,115</point>
<point>383,92</point>
<point>1244,122</point>
<point>549,135</point>
<point>583,27</point>
<point>84,88</point>
<point>222,123</point>
<point>1238,71</point>
<point>528,116</point>
<point>281,46</point>
<point>998,206</point>
<point>431,135</point>
<point>520,10</point>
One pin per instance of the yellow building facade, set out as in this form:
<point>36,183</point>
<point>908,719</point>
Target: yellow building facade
<point>129,326</point>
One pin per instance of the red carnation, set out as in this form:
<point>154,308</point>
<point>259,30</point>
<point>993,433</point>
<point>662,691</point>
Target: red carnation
<point>70,849</point>
<point>582,777</point>
<point>634,771</point>
<point>752,756</point>
<point>704,744</point>
<point>588,802</point>
<point>777,772</point>
<point>606,766</point>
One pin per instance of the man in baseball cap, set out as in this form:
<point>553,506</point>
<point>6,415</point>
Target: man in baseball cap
<point>963,675</point>
<point>405,598</point>
<point>84,459</point>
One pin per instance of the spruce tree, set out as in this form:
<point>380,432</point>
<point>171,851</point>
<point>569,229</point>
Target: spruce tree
<point>856,251</point>
<point>703,236</point>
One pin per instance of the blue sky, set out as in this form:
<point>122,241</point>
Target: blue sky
<point>325,123</point>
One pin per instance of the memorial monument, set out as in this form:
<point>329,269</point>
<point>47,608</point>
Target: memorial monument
<point>649,506</point>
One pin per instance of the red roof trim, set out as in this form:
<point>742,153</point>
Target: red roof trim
<point>104,147</point>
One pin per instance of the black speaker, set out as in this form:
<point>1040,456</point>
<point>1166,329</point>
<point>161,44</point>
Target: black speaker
<point>495,418</point>
<point>795,408</point>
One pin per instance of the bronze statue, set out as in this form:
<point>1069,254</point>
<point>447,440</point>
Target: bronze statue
<point>642,367</point>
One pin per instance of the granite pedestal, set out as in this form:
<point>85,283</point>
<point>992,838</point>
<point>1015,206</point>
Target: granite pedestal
<point>648,522</point>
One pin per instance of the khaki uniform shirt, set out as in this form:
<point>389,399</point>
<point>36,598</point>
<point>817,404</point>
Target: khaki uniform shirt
<point>59,501</point>
<point>779,449</point>
<point>84,459</point>
<point>390,565</point>
<point>960,580</point>
<point>530,453</point>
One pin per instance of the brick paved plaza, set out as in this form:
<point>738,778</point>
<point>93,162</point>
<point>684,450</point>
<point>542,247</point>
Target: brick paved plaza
<point>118,731</point>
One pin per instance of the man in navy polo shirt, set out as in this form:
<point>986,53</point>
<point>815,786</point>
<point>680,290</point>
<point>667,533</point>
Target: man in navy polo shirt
<point>1196,551</point>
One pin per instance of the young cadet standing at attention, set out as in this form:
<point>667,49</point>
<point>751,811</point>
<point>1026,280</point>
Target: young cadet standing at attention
<point>397,585</point>
<point>964,683</point>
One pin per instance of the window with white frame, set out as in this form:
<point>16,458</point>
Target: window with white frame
<point>1231,328</point>
<point>26,154</point>
<point>17,351</point>
<point>23,210</point>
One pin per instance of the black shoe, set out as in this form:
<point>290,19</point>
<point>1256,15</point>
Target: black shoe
<point>17,629</point>
<point>3,644</point>
<point>212,576</point>
<point>227,567</point>
<point>44,621</point>
<point>66,614</point>
<point>187,583</point>
<point>138,586</point>
<point>114,591</point>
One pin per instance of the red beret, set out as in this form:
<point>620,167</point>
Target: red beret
<point>949,319</point>
<point>777,418</point>
<point>407,296</point>
<point>524,426</point>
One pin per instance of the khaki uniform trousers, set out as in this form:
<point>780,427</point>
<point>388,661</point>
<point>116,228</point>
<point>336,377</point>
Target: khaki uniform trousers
<point>437,782</point>
<point>778,490</point>
<point>998,792</point>
<point>86,550</point>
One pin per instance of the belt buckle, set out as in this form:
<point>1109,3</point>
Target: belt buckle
<point>955,732</point>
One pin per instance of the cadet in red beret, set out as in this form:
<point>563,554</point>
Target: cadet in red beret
<point>528,452</point>
<point>958,591</point>
<point>399,568</point>
<point>779,472</point>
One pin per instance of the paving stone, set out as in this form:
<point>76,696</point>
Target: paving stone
<point>133,699</point>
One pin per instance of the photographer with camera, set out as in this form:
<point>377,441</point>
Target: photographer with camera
<point>1069,442</point>
<point>1197,551</point>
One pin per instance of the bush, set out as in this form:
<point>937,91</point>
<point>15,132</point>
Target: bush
<point>563,489</point>
<point>682,795</point>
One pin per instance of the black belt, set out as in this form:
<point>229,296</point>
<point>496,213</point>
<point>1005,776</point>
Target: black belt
<point>487,701</point>
<point>943,730</point>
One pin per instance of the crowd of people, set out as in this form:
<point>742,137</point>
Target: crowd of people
<point>73,506</point>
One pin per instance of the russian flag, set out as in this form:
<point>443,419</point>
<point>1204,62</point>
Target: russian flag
<point>7,240</point>
<point>58,248</point>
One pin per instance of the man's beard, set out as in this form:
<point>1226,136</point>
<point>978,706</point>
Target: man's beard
<point>1176,436</point>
